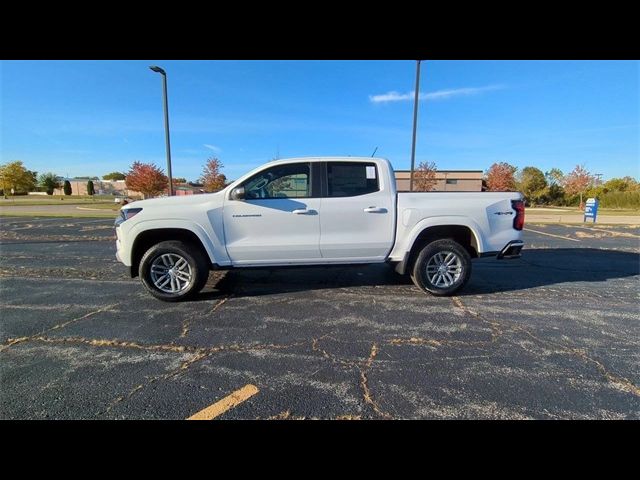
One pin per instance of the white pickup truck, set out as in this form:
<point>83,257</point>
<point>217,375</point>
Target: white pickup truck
<point>316,211</point>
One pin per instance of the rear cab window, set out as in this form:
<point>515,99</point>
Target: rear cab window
<point>350,179</point>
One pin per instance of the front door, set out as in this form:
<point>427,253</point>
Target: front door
<point>278,222</point>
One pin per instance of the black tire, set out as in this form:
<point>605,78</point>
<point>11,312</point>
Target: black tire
<point>445,282</point>
<point>198,264</point>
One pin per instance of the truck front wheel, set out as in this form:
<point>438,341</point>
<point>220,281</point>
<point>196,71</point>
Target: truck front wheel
<point>442,268</point>
<point>174,270</point>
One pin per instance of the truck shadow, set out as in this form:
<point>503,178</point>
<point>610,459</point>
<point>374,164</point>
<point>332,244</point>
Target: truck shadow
<point>536,268</point>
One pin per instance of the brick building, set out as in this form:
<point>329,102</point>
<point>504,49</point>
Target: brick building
<point>101,187</point>
<point>447,180</point>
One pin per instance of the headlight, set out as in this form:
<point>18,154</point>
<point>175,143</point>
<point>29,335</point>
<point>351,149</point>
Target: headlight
<point>126,214</point>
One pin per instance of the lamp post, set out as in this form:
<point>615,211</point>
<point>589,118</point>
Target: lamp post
<point>166,123</point>
<point>415,125</point>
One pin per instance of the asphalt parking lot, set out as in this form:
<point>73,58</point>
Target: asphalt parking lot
<point>555,334</point>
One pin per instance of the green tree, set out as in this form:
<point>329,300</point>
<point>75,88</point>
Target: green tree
<point>90,189</point>
<point>179,180</point>
<point>34,176</point>
<point>67,187</point>
<point>49,181</point>
<point>554,176</point>
<point>114,176</point>
<point>596,191</point>
<point>554,194</point>
<point>634,185</point>
<point>532,184</point>
<point>626,184</point>
<point>14,175</point>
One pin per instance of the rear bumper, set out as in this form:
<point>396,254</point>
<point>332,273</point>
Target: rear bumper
<point>511,250</point>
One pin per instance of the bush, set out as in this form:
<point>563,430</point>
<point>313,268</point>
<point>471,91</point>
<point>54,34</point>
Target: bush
<point>67,187</point>
<point>620,200</point>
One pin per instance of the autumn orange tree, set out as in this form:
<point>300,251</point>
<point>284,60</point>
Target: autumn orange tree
<point>147,179</point>
<point>212,179</point>
<point>424,177</point>
<point>577,181</point>
<point>501,177</point>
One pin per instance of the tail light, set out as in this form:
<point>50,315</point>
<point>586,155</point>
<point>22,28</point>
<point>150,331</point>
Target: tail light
<point>518,221</point>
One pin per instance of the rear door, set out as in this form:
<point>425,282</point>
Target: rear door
<point>278,221</point>
<point>357,220</point>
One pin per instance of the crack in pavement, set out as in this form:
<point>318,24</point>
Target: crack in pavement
<point>197,354</point>
<point>497,329</point>
<point>166,376</point>
<point>13,341</point>
<point>94,342</point>
<point>364,383</point>
<point>619,382</point>
<point>221,302</point>
<point>418,341</point>
<point>363,367</point>
<point>186,323</point>
<point>327,355</point>
<point>286,415</point>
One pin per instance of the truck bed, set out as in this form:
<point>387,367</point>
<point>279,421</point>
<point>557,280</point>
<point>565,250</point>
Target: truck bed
<point>489,215</point>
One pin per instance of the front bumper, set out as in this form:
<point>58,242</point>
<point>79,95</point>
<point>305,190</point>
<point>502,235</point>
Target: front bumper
<point>511,250</point>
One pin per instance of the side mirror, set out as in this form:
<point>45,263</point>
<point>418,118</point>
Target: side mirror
<point>237,193</point>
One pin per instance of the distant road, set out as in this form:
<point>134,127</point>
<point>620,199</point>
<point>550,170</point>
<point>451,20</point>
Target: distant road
<point>56,210</point>
<point>578,218</point>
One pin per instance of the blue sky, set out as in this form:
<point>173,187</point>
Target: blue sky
<point>93,117</point>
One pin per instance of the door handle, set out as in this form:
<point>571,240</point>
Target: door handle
<point>375,210</point>
<point>303,211</point>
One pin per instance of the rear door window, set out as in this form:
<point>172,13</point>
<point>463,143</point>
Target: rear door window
<point>349,179</point>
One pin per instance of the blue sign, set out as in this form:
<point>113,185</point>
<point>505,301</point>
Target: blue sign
<point>590,209</point>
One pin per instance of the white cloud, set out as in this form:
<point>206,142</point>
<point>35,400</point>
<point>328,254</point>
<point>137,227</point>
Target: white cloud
<point>213,147</point>
<point>437,95</point>
<point>391,97</point>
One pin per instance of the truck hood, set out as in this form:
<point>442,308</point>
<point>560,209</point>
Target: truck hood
<point>177,201</point>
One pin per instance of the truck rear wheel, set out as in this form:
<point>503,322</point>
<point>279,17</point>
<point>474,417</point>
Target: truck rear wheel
<point>442,268</point>
<point>174,270</point>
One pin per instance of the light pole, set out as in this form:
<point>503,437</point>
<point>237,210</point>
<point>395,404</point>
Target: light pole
<point>598,178</point>
<point>166,123</point>
<point>415,125</point>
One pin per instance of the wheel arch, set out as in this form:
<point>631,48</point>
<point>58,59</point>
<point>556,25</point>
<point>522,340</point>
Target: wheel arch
<point>464,234</point>
<point>152,236</point>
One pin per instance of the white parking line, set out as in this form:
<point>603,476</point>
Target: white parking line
<point>552,235</point>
